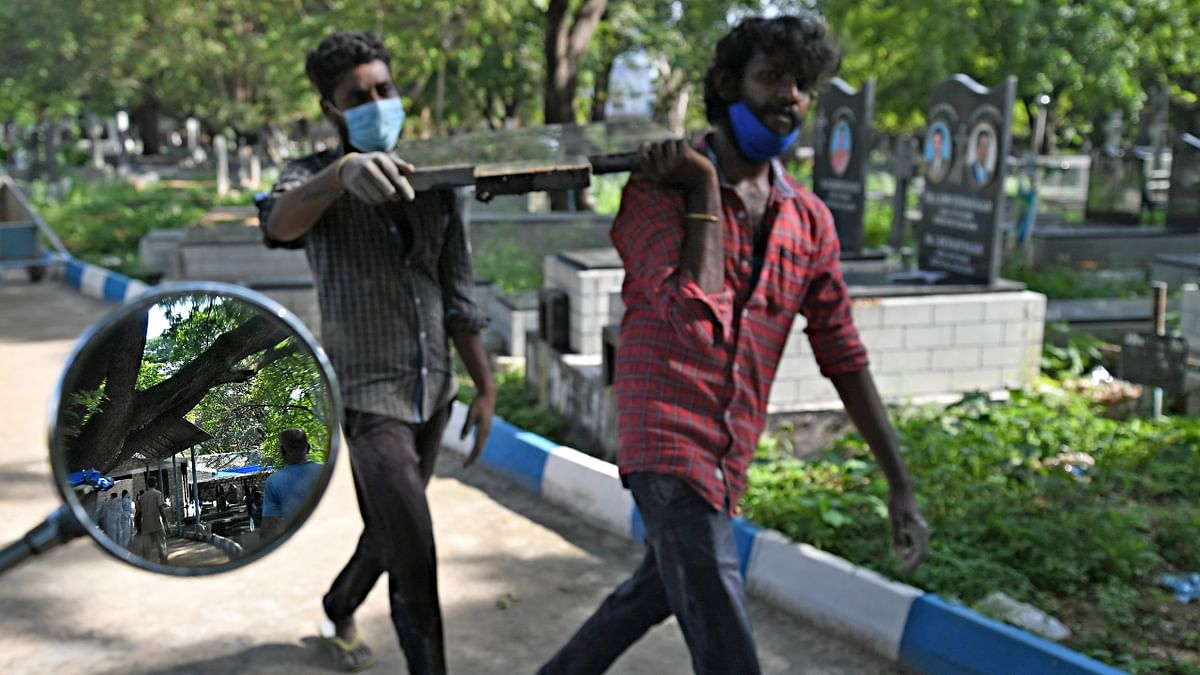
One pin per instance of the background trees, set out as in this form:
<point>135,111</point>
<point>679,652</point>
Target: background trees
<point>238,66</point>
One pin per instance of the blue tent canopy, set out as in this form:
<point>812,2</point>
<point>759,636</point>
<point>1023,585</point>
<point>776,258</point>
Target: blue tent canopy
<point>244,471</point>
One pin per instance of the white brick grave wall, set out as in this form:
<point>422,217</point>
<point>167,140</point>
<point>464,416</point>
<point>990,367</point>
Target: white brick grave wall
<point>921,346</point>
<point>588,292</point>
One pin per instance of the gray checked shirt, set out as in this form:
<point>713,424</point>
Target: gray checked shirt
<point>394,283</point>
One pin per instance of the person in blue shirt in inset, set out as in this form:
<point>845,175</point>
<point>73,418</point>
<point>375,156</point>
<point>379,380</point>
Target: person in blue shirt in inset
<point>288,488</point>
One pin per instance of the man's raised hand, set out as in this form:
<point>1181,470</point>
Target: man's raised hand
<point>675,163</point>
<point>376,177</point>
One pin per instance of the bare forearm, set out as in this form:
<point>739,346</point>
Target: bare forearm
<point>470,347</point>
<point>702,257</point>
<point>296,210</point>
<point>863,404</point>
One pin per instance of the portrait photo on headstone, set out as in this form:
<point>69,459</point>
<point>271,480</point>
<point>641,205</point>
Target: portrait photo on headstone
<point>981,153</point>
<point>939,151</point>
<point>840,146</point>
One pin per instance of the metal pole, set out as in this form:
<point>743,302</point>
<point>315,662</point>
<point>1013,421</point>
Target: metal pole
<point>902,169</point>
<point>195,494</point>
<point>1160,329</point>
<point>180,493</point>
<point>1031,166</point>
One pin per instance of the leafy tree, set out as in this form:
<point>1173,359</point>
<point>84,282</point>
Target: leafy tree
<point>230,370</point>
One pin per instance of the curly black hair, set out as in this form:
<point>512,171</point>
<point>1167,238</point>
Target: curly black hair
<point>340,53</point>
<point>800,38</point>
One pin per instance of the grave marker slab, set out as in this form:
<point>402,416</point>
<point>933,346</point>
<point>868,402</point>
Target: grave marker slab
<point>843,141</point>
<point>966,143</point>
<point>1154,118</point>
<point>1183,201</point>
<point>1115,183</point>
<point>1155,361</point>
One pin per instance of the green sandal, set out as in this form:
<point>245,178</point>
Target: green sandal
<point>351,656</point>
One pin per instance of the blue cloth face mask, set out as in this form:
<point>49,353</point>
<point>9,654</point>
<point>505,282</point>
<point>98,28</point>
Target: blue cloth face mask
<point>375,126</point>
<point>756,141</point>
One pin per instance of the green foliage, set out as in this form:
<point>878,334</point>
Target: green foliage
<point>80,406</point>
<point>606,190</point>
<point>1091,58</point>
<point>102,223</point>
<point>1065,283</point>
<point>1040,497</point>
<point>1066,353</point>
<point>285,391</point>
<point>519,406</point>
<point>509,265</point>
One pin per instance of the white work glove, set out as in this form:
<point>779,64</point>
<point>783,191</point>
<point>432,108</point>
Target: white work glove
<point>375,177</point>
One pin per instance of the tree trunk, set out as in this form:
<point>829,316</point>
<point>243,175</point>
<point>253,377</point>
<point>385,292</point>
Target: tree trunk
<point>566,40</point>
<point>131,418</point>
<point>600,95</point>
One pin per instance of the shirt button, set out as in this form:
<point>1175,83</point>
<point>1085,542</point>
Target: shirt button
<point>417,299</point>
<point>424,371</point>
<point>719,474</point>
<point>423,335</point>
<point>745,265</point>
<point>741,215</point>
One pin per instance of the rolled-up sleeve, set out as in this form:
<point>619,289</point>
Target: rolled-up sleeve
<point>463,315</point>
<point>648,234</point>
<point>827,308</point>
<point>294,175</point>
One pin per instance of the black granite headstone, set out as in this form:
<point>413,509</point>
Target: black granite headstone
<point>1116,180</point>
<point>1155,361</point>
<point>966,142</point>
<point>843,139</point>
<point>1183,202</point>
<point>1154,118</point>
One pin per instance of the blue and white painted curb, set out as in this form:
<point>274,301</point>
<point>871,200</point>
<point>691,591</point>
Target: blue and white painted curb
<point>95,281</point>
<point>895,620</point>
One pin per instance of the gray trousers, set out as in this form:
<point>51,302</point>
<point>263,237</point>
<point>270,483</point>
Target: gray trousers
<point>392,462</point>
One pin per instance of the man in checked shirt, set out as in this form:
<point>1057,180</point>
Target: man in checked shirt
<point>394,283</point>
<point>721,251</point>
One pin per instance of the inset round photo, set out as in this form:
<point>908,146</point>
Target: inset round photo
<point>841,144</point>
<point>981,154</point>
<point>939,152</point>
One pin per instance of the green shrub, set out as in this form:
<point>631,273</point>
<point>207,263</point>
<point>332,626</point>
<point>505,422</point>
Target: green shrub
<point>1040,497</point>
<point>102,223</point>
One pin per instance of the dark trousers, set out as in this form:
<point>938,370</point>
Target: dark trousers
<point>690,570</point>
<point>392,462</point>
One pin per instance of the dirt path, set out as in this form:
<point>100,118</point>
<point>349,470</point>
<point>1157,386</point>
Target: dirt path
<point>516,576</point>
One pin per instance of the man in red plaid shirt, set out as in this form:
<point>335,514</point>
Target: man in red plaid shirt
<point>721,250</point>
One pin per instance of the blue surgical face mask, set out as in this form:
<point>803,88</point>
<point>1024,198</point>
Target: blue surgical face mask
<point>756,141</point>
<point>375,126</point>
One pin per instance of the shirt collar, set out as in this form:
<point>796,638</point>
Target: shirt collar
<point>780,184</point>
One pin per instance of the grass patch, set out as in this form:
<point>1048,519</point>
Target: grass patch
<point>1064,283</point>
<point>102,223</point>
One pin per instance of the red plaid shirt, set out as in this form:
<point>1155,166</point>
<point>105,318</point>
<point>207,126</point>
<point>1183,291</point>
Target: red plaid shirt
<point>694,370</point>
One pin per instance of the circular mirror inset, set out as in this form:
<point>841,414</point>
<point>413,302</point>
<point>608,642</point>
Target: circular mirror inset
<point>981,154</point>
<point>939,152</point>
<point>195,428</point>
